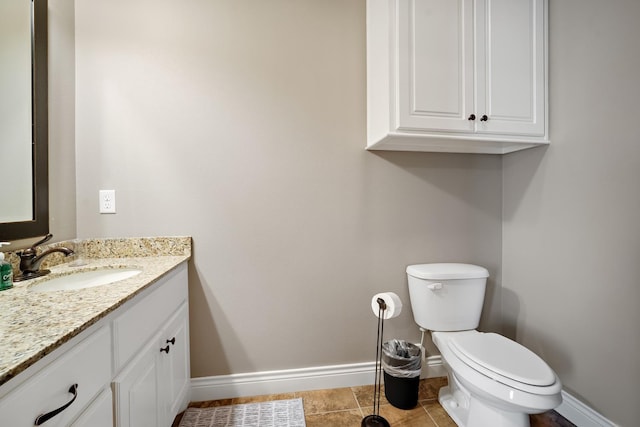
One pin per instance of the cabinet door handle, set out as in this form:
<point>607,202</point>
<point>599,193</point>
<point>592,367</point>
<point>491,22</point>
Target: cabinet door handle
<point>484,118</point>
<point>165,349</point>
<point>46,417</point>
<point>172,341</point>
<point>472,117</point>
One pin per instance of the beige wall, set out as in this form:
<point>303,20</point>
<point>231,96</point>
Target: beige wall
<point>242,123</point>
<point>571,235</point>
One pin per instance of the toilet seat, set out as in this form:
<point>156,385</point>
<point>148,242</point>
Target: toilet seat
<point>503,360</point>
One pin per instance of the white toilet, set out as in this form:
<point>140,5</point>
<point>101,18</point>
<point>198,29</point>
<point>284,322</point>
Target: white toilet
<point>493,381</point>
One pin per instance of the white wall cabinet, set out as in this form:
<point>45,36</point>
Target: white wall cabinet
<point>456,75</point>
<point>123,378</point>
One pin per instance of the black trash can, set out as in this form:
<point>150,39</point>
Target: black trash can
<point>402,364</point>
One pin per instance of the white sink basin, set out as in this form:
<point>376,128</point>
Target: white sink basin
<point>85,279</point>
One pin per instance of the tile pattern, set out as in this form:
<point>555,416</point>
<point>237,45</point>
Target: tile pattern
<point>33,325</point>
<point>345,407</point>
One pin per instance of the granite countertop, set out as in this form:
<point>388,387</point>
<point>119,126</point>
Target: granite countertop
<point>33,324</point>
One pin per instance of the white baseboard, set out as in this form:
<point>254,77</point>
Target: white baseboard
<point>290,380</point>
<point>284,381</point>
<point>351,375</point>
<point>433,367</point>
<point>581,414</point>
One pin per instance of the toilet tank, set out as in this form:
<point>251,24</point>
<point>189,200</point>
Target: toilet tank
<point>447,296</point>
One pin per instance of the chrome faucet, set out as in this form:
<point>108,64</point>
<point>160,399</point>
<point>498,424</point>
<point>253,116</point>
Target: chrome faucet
<point>30,260</point>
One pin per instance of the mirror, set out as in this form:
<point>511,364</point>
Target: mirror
<point>24,212</point>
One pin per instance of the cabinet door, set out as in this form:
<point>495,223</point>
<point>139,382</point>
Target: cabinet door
<point>435,65</point>
<point>173,364</point>
<point>510,52</point>
<point>136,391</point>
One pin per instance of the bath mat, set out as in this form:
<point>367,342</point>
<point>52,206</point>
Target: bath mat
<point>276,413</point>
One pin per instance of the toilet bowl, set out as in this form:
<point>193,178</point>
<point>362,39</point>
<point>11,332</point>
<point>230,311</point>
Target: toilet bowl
<point>493,381</point>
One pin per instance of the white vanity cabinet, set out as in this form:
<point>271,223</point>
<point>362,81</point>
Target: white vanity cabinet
<point>152,347</point>
<point>131,367</point>
<point>456,75</point>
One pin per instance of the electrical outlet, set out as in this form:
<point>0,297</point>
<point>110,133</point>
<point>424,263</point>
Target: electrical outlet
<point>107,201</point>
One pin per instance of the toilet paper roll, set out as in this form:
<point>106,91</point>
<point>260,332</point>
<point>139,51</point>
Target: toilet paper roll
<point>394,305</point>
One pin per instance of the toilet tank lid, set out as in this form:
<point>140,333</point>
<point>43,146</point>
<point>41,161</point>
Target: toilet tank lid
<point>444,271</point>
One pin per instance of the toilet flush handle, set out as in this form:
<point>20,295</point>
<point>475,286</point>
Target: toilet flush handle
<point>434,286</point>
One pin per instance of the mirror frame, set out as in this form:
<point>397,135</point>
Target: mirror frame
<point>39,225</point>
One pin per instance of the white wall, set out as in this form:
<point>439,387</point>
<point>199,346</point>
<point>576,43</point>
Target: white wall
<point>242,124</point>
<point>571,251</point>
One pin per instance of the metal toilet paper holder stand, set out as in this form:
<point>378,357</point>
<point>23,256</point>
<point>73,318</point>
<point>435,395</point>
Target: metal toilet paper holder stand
<point>375,420</point>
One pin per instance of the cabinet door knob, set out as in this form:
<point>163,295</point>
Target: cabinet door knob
<point>472,117</point>
<point>172,341</point>
<point>484,118</point>
<point>165,349</point>
<point>46,417</point>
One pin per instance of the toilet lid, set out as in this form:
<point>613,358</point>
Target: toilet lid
<point>500,358</point>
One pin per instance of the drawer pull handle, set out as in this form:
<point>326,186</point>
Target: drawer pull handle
<point>484,118</point>
<point>165,349</point>
<point>172,341</point>
<point>472,117</point>
<point>46,417</point>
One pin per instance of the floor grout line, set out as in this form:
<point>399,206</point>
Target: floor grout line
<point>353,392</point>
<point>430,416</point>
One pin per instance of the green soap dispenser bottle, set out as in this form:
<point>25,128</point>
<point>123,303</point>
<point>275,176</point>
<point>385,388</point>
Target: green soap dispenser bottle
<point>6,271</point>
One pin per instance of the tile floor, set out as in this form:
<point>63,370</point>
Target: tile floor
<point>345,407</point>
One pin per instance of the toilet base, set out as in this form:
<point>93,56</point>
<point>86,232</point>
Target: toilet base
<point>468,411</point>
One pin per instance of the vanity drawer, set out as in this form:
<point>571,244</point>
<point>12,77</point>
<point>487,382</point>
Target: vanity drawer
<point>98,414</point>
<point>87,364</point>
<point>139,323</point>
